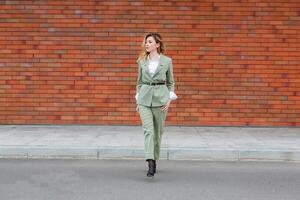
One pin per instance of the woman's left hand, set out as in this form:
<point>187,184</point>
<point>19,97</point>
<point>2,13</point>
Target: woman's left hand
<point>166,107</point>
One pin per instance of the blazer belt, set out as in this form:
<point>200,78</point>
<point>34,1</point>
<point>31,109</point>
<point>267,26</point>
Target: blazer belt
<point>162,83</point>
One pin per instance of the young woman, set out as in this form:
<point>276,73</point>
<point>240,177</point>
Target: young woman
<point>154,93</point>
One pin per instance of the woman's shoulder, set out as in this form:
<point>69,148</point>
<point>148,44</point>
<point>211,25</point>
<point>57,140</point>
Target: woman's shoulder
<point>140,62</point>
<point>166,58</point>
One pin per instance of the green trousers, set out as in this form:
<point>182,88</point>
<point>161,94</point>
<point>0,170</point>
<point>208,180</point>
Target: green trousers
<point>153,121</point>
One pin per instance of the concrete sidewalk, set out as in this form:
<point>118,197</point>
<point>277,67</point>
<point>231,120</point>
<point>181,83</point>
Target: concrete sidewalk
<point>126,142</point>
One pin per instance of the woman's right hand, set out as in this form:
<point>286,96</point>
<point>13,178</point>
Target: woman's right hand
<point>137,108</point>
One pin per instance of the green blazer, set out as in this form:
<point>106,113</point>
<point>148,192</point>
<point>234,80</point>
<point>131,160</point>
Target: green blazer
<point>155,95</point>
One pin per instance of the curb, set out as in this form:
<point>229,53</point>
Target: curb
<point>99,153</point>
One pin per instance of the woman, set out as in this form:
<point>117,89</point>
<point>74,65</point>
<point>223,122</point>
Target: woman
<point>154,92</point>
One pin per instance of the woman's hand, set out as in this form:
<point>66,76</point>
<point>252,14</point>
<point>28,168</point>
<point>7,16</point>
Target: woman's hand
<point>166,107</point>
<point>137,108</point>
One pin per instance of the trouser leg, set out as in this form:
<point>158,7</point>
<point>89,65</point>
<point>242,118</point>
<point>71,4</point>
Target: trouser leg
<point>146,116</point>
<point>159,123</point>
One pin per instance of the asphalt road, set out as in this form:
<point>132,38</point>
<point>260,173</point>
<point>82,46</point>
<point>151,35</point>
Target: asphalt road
<point>35,179</point>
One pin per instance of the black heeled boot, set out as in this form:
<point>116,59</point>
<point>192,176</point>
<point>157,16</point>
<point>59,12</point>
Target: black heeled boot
<point>151,170</point>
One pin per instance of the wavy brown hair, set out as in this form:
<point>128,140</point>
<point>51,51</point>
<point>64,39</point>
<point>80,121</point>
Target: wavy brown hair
<point>158,39</point>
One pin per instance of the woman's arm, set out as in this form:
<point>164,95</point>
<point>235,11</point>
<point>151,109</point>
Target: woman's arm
<point>170,81</point>
<point>138,82</point>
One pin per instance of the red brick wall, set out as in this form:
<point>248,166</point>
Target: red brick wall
<point>73,62</point>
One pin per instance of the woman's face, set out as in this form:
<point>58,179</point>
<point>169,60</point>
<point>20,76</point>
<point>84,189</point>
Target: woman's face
<point>151,45</point>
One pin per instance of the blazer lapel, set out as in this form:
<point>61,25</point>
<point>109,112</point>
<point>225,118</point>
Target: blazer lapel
<point>146,66</point>
<point>160,65</point>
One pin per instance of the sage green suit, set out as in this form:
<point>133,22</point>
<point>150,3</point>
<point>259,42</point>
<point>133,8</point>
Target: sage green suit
<point>150,100</point>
